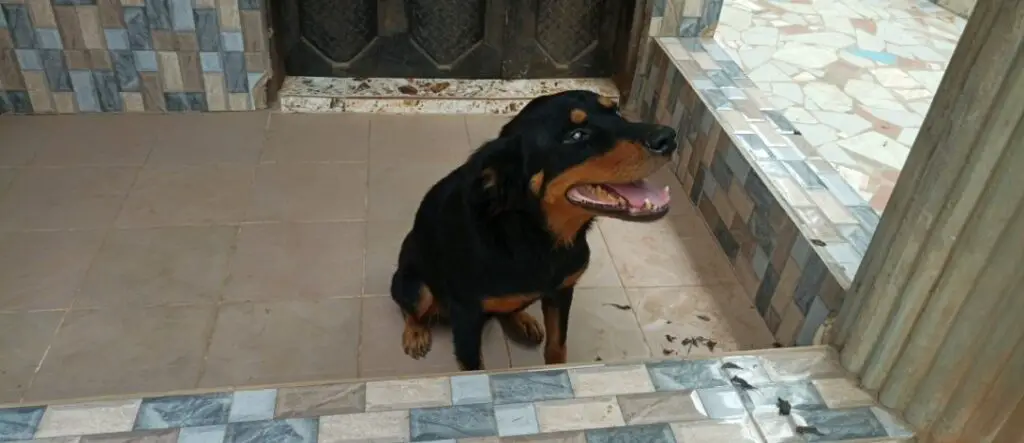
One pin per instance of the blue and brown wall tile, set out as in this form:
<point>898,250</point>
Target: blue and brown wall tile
<point>69,56</point>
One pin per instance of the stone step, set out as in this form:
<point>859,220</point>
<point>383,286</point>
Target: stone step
<point>424,96</point>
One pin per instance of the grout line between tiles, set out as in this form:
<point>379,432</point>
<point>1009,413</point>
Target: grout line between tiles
<point>84,275</point>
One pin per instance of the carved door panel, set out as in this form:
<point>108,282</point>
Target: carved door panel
<point>392,38</point>
<point>561,38</point>
<point>448,38</point>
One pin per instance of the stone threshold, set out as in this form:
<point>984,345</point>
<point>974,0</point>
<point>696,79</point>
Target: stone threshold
<point>424,96</point>
<point>759,396</point>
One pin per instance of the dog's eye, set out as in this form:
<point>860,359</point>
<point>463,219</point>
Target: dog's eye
<point>577,135</point>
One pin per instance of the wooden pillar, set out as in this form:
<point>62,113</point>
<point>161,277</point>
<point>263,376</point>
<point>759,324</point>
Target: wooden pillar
<point>934,320</point>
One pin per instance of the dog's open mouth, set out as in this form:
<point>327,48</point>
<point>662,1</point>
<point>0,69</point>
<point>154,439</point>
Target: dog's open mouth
<point>640,200</point>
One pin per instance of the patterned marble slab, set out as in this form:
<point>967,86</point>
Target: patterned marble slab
<point>783,395</point>
<point>425,96</point>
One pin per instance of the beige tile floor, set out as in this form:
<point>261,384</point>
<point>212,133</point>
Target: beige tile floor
<point>145,253</point>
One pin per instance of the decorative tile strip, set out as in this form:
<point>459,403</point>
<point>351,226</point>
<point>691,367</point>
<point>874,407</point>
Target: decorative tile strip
<point>735,398</point>
<point>69,56</point>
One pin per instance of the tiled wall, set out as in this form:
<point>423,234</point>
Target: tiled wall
<point>68,56</point>
<point>741,163</point>
<point>687,18</point>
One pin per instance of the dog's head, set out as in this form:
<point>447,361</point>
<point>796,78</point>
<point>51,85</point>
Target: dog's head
<point>571,156</point>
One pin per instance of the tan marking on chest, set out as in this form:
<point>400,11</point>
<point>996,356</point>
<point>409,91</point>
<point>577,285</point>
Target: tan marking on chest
<point>507,303</point>
<point>572,279</point>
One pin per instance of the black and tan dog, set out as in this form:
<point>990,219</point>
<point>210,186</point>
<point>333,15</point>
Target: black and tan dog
<point>508,227</point>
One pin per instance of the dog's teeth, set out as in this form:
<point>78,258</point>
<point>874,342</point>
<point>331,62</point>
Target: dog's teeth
<point>648,204</point>
<point>665,190</point>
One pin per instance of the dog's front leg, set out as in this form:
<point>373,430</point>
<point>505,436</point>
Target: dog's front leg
<point>556,323</point>
<point>467,331</point>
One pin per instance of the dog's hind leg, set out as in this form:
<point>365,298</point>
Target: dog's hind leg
<point>418,307</point>
<point>467,332</point>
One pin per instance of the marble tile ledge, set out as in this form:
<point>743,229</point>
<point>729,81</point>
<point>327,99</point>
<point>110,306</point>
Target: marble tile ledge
<point>793,395</point>
<point>424,96</point>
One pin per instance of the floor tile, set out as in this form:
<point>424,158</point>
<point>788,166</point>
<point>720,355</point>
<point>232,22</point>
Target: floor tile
<point>104,140</point>
<point>777,429</point>
<point>384,427</point>
<point>516,419</point>
<point>221,137</point>
<point>383,242</point>
<point>747,367</point>
<point>381,352</point>
<point>187,195</point>
<point>462,421</point>
<point>655,433</point>
<point>601,270</point>
<point>308,192</point>
<point>396,189</point>
<point>408,393</point>
<point>203,434</point>
<point>158,436</point>
<point>19,149</point>
<point>482,128</point>
<point>7,176</point>
<point>19,423</point>
<point>296,261</point>
<point>578,414</point>
<point>801,395</point>
<point>293,430</point>
<point>841,424</point>
<point>669,316</point>
<point>471,389</point>
<point>403,138</point>
<point>62,198</point>
<point>600,329</point>
<point>317,137</point>
<point>842,393</point>
<point>159,266</point>
<point>681,375</point>
<point>253,405</point>
<point>610,380</point>
<point>42,270</point>
<point>153,349</point>
<point>88,418</point>
<point>801,365</point>
<point>184,411</point>
<point>24,338</point>
<point>722,403</point>
<point>520,387</point>
<point>738,431</point>
<point>659,407</point>
<point>673,251</point>
<point>314,401</point>
<point>552,437</point>
<point>254,343</point>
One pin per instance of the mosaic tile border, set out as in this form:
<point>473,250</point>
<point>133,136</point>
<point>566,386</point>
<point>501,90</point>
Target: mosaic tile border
<point>778,395</point>
<point>70,56</point>
<point>685,18</point>
<point>425,96</point>
<point>794,231</point>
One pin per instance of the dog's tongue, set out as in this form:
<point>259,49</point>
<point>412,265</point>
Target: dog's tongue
<point>638,192</point>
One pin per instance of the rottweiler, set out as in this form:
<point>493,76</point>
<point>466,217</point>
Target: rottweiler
<point>508,227</point>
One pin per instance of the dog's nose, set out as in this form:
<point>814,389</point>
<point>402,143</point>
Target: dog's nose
<point>662,140</point>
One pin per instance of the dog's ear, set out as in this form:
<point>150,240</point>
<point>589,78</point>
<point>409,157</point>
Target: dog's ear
<point>499,177</point>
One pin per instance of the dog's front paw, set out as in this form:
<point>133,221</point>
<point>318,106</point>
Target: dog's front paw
<point>524,328</point>
<point>416,341</point>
